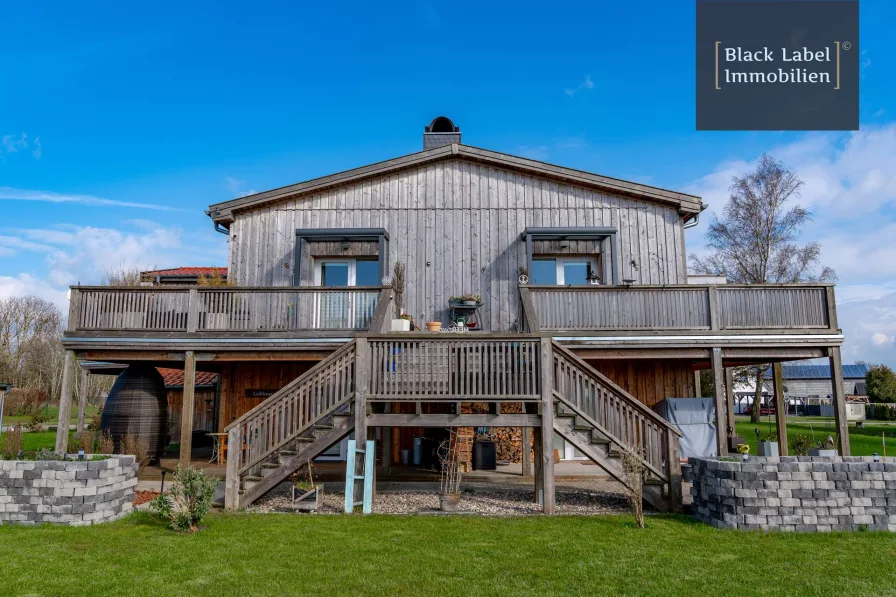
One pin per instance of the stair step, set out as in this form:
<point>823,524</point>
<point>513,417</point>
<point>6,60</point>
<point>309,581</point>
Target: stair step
<point>270,465</point>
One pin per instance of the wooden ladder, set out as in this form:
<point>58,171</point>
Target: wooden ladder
<point>352,477</point>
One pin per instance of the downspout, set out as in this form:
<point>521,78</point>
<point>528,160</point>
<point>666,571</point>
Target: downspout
<point>695,219</point>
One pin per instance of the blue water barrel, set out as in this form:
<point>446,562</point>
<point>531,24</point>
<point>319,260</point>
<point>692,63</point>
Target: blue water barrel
<point>417,459</point>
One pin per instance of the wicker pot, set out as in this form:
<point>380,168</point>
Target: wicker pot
<point>433,326</point>
<point>448,501</point>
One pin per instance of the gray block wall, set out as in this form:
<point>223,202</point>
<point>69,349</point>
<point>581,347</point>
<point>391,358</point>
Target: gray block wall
<point>72,493</point>
<point>795,493</point>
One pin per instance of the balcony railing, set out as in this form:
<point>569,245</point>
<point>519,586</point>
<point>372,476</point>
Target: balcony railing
<point>222,309</point>
<point>679,307</point>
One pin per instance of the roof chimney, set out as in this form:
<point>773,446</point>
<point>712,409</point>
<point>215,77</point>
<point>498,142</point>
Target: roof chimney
<point>441,131</point>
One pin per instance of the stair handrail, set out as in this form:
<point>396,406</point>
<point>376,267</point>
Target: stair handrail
<point>588,369</point>
<point>667,444</point>
<point>243,455</point>
<point>271,400</point>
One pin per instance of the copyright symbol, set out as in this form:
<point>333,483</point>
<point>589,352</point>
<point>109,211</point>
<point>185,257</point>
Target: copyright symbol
<point>846,45</point>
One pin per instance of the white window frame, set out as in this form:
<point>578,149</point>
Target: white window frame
<point>561,261</point>
<point>351,313</point>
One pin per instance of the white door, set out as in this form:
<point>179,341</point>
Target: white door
<point>343,310</point>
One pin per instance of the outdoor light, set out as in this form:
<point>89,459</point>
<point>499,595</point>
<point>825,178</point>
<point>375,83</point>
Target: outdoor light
<point>876,457</point>
<point>746,456</point>
<point>80,454</point>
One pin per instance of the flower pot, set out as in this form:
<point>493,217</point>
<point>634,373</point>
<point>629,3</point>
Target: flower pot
<point>433,326</point>
<point>768,449</point>
<point>471,303</point>
<point>401,325</point>
<point>448,501</point>
<point>822,453</point>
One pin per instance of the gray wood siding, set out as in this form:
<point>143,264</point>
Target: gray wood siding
<point>465,219</point>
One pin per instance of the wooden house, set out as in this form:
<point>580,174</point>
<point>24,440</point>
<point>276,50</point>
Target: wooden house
<point>585,317</point>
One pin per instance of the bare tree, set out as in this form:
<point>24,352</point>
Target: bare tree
<point>28,325</point>
<point>756,239</point>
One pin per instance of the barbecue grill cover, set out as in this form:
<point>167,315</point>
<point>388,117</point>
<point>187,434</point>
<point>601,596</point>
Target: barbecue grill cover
<point>138,404</point>
<point>695,418</point>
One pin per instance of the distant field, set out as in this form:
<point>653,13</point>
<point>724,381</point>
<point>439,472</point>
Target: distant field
<point>53,413</point>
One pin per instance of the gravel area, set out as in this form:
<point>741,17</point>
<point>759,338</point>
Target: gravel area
<point>489,503</point>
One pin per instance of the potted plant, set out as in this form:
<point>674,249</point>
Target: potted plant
<point>433,326</point>
<point>305,494</point>
<point>768,444</point>
<point>402,321</point>
<point>471,300</point>
<point>449,480</point>
<point>825,449</point>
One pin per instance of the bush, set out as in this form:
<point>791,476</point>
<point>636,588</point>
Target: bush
<point>136,446</point>
<point>104,443</point>
<point>188,500</point>
<point>800,444</point>
<point>38,421</point>
<point>24,402</point>
<point>880,412</point>
<point>12,443</point>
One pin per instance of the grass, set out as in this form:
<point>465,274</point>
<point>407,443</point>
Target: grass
<point>287,554</point>
<point>53,413</point>
<point>863,441</point>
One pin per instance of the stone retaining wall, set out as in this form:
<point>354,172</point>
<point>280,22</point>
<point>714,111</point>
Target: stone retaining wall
<point>795,493</point>
<point>66,492</point>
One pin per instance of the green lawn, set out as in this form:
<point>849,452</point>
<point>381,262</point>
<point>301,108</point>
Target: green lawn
<point>53,413</point>
<point>34,441</point>
<point>863,441</point>
<point>283,554</point>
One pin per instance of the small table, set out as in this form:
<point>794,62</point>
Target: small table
<point>219,448</point>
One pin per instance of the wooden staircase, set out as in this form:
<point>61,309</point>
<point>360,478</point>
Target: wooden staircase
<point>602,420</point>
<point>296,424</point>
<point>324,405</point>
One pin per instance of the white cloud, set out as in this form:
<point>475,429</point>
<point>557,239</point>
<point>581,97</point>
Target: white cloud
<point>11,243</point>
<point>850,188</point>
<point>882,339</point>
<point>83,254</point>
<point>586,84</point>
<point>11,194</point>
<point>237,187</point>
<point>16,143</point>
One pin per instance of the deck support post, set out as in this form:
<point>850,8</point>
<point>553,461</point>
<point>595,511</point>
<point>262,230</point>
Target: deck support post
<point>729,404</point>
<point>65,401</point>
<point>232,479</point>
<point>82,400</point>
<point>839,400</point>
<point>536,460</point>
<point>386,443</point>
<point>718,382</point>
<point>780,408</point>
<point>547,426</point>
<point>186,411</point>
<point>525,453</point>
<point>362,383</point>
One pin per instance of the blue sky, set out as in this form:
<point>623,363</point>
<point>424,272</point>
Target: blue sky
<point>120,124</point>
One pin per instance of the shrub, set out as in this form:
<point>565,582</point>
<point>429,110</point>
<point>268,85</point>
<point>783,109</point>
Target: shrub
<point>880,412</point>
<point>38,421</point>
<point>104,442</point>
<point>136,446</point>
<point>800,444</point>
<point>635,473</point>
<point>24,402</point>
<point>47,454</point>
<point>12,443</point>
<point>187,501</point>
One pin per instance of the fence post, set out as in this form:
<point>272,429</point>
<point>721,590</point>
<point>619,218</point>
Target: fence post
<point>673,471</point>
<point>714,308</point>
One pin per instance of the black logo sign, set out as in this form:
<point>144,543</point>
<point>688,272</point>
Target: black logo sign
<point>787,65</point>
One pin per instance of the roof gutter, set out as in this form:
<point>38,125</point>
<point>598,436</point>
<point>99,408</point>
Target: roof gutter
<point>695,219</point>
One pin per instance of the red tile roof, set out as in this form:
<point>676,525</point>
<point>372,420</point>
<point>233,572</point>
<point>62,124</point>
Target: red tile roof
<point>175,377</point>
<point>188,271</point>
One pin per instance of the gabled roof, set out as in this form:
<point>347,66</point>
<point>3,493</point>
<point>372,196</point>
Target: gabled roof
<point>175,377</point>
<point>819,372</point>
<point>686,204</point>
